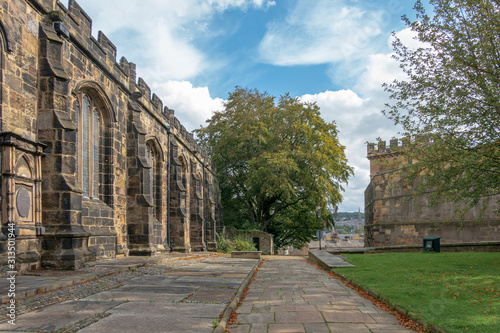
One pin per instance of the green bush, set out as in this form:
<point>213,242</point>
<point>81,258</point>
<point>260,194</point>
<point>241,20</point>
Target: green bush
<point>225,245</point>
<point>243,244</point>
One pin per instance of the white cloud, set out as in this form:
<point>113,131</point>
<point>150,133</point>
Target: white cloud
<point>323,31</point>
<point>359,120</point>
<point>223,5</point>
<point>358,116</point>
<point>192,105</point>
<point>380,68</point>
<point>158,35</point>
<point>409,38</point>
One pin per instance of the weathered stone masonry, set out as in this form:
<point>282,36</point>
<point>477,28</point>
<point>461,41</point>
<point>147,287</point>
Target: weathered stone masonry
<point>92,164</point>
<point>394,218</point>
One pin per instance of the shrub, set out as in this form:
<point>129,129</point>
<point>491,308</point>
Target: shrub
<point>224,245</point>
<point>243,244</point>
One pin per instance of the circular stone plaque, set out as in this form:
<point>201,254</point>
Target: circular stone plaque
<point>23,202</point>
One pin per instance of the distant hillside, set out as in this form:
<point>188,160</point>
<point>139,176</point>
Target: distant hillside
<point>347,216</point>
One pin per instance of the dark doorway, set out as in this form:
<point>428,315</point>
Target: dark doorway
<point>256,241</point>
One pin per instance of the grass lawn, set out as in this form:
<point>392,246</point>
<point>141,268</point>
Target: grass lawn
<point>459,292</point>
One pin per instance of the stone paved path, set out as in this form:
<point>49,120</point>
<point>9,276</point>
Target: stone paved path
<point>186,297</point>
<point>290,295</point>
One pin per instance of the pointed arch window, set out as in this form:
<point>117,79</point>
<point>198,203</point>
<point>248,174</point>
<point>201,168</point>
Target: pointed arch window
<point>154,178</point>
<point>150,158</point>
<point>89,124</point>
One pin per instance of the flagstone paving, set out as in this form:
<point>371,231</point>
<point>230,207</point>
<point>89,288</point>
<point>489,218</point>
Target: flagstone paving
<point>290,295</point>
<point>186,297</point>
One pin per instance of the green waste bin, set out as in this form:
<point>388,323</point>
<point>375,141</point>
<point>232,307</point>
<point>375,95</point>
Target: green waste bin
<point>432,244</point>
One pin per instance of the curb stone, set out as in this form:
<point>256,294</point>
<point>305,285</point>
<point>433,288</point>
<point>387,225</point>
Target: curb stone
<point>233,305</point>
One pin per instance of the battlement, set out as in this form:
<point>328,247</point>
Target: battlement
<point>381,148</point>
<point>74,91</point>
<point>103,53</point>
<point>397,145</point>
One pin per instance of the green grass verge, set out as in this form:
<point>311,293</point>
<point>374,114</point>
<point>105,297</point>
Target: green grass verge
<point>459,292</point>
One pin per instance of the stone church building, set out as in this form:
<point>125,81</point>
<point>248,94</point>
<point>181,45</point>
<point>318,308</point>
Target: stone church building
<point>93,165</point>
<point>395,220</point>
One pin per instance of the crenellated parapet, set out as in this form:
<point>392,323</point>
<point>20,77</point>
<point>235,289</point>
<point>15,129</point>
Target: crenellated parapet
<point>396,146</point>
<point>382,149</point>
<point>118,173</point>
<point>74,24</point>
<point>77,27</point>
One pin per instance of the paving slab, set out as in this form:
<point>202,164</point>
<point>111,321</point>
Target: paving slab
<point>150,279</point>
<point>44,280</point>
<point>349,327</point>
<point>288,294</point>
<point>141,299</point>
<point>348,317</point>
<point>114,295</point>
<point>214,295</point>
<point>159,289</point>
<point>286,328</point>
<point>316,328</point>
<point>212,281</point>
<point>153,317</point>
<point>298,317</point>
<point>258,328</point>
<point>56,317</point>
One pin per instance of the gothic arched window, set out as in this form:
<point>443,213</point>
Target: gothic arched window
<point>150,158</point>
<point>154,178</point>
<point>88,145</point>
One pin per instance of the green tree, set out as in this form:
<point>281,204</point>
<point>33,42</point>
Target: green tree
<point>449,104</point>
<point>279,164</point>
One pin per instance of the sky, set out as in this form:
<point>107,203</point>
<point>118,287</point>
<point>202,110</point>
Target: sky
<point>336,53</point>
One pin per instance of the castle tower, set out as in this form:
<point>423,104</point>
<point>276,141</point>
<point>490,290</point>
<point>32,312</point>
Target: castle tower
<point>394,216</point>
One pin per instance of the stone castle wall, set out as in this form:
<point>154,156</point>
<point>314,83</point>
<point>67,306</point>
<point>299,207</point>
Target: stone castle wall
<point>93,165</point>
<point>393,217</point>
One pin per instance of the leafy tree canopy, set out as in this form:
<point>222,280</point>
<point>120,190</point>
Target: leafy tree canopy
<point>279,164</point>
<point>450,100</point>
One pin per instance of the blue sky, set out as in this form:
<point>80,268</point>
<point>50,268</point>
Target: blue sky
<point>336,53</point>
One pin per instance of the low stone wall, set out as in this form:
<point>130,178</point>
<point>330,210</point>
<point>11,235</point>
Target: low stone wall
<point>412,233</point>
<point>246,254</point>
<point>445,247</point>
